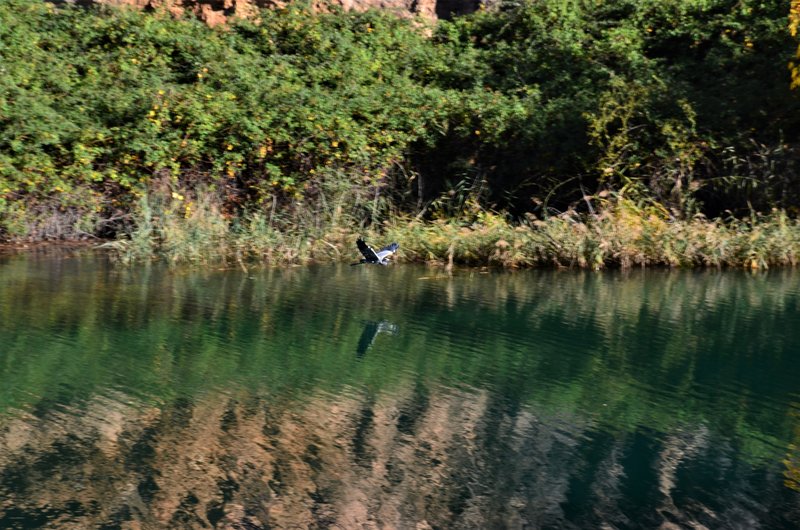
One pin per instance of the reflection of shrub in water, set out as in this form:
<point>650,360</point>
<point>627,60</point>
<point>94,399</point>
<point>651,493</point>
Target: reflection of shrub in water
<point>792,460</point>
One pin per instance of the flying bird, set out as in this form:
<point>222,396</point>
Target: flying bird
<point>370,256</point>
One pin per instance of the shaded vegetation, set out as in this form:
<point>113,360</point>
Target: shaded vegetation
<point>281,138</point>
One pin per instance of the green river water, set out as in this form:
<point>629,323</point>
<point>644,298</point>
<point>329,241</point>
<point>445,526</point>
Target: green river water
<point>396,397</point>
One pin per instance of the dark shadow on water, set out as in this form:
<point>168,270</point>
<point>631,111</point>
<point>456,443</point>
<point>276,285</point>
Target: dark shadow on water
<point>371,331</point>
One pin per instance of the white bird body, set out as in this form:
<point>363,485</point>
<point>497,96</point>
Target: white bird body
<point>380,257</point>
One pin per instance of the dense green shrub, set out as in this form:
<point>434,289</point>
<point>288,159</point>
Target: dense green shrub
<point>303,123</point>
<point>100,106</point>
<point>670,98</point>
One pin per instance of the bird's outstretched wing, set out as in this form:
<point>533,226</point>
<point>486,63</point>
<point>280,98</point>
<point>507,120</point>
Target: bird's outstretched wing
<point>367,251</point>
<point>388,250</point>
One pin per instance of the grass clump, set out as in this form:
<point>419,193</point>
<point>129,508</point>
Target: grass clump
<point>620,234</point>
<point>193,227</point>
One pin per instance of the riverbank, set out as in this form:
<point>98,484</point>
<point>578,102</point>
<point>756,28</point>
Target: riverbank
<point>46,246</point>
<point>620,234</point>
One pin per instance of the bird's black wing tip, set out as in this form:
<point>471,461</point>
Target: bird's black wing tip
<point>366,250</point>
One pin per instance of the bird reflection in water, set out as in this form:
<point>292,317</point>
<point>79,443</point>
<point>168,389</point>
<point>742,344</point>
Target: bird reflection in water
<point>371,331</point>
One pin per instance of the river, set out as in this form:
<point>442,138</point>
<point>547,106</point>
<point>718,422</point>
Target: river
<point>396,397</point>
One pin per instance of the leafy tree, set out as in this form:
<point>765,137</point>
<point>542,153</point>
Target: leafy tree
<point>529,107</point>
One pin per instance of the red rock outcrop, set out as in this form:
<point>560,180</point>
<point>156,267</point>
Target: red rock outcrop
<point>215,12</point>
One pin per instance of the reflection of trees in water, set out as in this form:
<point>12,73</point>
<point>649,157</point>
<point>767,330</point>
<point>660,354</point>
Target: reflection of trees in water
<point>792,460</point>
<point>518,445</point>
<point>445,458</point>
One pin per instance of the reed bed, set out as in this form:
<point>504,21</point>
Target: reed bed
<point>619,233</point>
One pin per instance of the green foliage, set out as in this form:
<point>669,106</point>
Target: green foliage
<point>308,123</point>
<point>99,107</point>
<point>674,99</point>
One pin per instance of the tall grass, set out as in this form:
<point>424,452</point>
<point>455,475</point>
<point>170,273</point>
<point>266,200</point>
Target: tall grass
<point>185,226</point>
<point>618,235</point>
<point>192,227</point>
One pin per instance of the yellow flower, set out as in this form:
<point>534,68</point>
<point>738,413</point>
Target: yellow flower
<point>335,143</point>
<point>177,196</point>
<point>229,147</point>
<point>477,133</point>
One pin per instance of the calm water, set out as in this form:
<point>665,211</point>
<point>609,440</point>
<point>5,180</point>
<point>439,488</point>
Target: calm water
<point>396,397</point>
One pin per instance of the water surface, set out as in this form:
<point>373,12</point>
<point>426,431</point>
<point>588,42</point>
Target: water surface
<point>399,397</point>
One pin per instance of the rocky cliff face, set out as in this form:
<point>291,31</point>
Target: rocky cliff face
<point>244,462</point>
<point>417,458</point>
<point>215,12</point>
